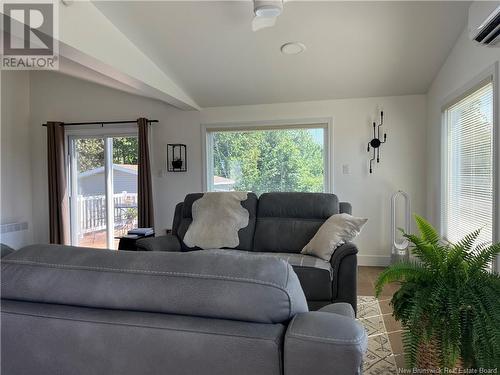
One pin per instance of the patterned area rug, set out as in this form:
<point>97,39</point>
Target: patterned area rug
<point>379,358</point>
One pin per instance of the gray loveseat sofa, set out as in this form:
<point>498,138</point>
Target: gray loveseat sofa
<point>69,310</point>
<point>281,224</point>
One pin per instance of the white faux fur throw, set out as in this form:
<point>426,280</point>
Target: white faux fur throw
<point>217,218</point>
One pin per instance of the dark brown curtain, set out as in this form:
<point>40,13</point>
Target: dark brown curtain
<point>58,195</point>
<point>145,189</point>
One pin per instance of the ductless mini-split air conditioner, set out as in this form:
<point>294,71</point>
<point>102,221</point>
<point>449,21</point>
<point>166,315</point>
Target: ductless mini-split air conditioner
<point>484,22</point>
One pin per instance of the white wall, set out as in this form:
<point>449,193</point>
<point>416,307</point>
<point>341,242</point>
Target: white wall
<point>15,156</point>
<point>57,97</point>
<point>466,61</point>
<point>402,158</point>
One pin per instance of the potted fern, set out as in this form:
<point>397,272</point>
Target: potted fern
<point>448,301</point>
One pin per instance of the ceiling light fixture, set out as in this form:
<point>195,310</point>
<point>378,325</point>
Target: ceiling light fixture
<point>293,48</point>
<point>267,8</point>
<point>268,11</point>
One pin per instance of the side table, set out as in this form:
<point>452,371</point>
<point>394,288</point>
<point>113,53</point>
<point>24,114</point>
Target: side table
<point>128,241</point>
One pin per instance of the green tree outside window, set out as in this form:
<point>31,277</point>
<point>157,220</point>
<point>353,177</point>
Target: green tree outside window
<point>271,160</point>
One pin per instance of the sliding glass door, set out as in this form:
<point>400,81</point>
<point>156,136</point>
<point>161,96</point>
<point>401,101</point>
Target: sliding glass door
<point>103,181</point>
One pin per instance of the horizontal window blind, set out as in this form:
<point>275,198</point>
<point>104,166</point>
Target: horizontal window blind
<point>468,203</point>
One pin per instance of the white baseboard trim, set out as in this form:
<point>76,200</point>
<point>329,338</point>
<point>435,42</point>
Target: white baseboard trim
<point>374,260</point>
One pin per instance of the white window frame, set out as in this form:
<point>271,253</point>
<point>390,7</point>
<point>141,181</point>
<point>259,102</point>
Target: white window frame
<point>87,132</point>
<point>488,75</point>
<point>316,123</point>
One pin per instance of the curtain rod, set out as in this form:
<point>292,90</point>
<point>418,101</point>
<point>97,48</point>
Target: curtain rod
<point>102,123</point>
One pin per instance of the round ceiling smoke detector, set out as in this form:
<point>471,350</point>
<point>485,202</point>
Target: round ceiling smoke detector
<point>293,48</point>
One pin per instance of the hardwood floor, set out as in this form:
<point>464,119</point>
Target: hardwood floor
<point>366,287</point>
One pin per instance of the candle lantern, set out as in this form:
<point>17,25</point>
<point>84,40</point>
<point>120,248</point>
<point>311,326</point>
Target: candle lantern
<point>176,158</point>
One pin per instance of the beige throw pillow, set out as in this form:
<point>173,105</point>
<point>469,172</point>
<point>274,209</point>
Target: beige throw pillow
<point>337,230</point>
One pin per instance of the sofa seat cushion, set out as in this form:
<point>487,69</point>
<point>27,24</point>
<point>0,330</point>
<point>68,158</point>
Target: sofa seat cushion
<point>221,284</point>
<point>315,275</point>
<point>304,261</point>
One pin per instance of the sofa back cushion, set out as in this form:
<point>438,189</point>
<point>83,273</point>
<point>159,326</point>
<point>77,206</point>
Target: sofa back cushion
<point>216,284</point>
<point>245,234</point>
<point>286,222</point>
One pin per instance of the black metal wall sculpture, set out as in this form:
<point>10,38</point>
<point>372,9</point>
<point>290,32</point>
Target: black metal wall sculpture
<point>375,143</point>
<point>176,158</point>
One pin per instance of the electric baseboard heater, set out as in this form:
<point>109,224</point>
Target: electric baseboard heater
<point>400,245</point>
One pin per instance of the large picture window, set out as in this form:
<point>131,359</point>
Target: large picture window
<point>267,159</point>
<point>468,164</point>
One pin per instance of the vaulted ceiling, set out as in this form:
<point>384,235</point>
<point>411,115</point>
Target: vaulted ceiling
<point>354,49</point>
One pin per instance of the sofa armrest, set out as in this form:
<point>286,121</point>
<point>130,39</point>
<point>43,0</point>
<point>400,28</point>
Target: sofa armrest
<point>341,252</point>
<point>340,308</point>
<point>344,263</point>
<point>177,218</point>
<point>161,243</point>
<point>324,343</point>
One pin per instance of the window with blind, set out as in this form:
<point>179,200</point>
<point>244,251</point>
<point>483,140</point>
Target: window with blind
<point>468,164</point>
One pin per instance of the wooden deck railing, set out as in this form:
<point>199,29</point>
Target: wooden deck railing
<point>91,211</point>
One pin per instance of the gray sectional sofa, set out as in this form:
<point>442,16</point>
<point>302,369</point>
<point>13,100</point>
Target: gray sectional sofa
<point>78,311</point>
<point>280,225</point>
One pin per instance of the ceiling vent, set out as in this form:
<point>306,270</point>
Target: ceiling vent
<point>484,22</point>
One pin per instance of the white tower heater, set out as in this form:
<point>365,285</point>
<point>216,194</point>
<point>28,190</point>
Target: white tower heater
<point>400,246</point>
